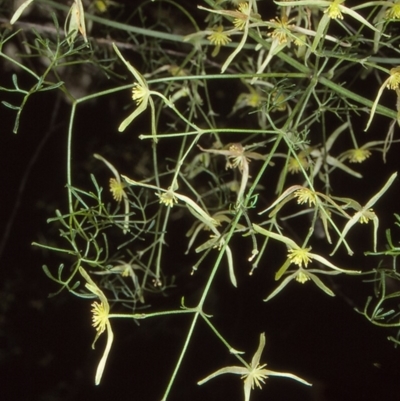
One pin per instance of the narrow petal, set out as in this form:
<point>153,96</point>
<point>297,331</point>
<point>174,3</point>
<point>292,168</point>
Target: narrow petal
<point>283,284</point>
<point>103,360</point>
<point>278,237</point>
<point>256,358</point>
<point>289,375</point>
<point>236,370</point>
<point>133,115</point>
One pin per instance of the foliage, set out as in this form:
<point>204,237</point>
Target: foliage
<point>300,74</point>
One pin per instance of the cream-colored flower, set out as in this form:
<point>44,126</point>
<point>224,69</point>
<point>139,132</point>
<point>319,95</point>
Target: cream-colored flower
<point>358,155</point>
<point>364,214</point>
<point>242,16</point>
<point>219,37</point>
<point>300,256</point>
<point>253,374</point>
<point>100,320</point>
<point>139,93</point>
<point>168,198</point>
<point>393,81</point>
<point>117,188</point>
<point>393,12</point>
<point>305,195</point>
<point>302,277</point>
<point>334,11</point>
<point>295,165</point>
<point>238,156</point>
<point>280,30</point>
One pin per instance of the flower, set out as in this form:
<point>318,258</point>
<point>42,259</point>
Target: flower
<point>334,10</point>
<point>100,316</point>
<point>304,195</point>
<point>364,213</point>
<point>100,320</point>
<point>302,277</point>
<point>300,256</point>
<point>393,81</point>
<point>219,37</point>
<point>242,16</point>
<point>367,215</point>
<point>168,198</point>
<point>241,21</point>
<point>295,164</point>
<point>394,11</point>
<point>253,374</point>
<point>140,93</point>
<point>238,156</point>
<point>117,188</point>
<point>358,155</point>
<point>280,32</point>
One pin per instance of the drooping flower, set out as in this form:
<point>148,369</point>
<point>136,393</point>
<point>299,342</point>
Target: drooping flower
<point>100,321</point>
<point>140,94</point>
<point>219,37</point>
<point>305,195</point>
<point>358,155</point>
<point>168,198</point>
<point>334,11</point>
<point>393,81</point>
<point>117,188</point>
<point>280,30</point>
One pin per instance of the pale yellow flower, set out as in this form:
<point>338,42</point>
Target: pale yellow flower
<point>334,11</point>
<point>117,189</point>
<point>366,216</point>
<point>394,11</point>
<point>243,14</point>
<point>302,277</point>
<point>100,316</point>
<point>100,321</point>
<point>299,256</point>
<point>280,30</point>
<point>168,198</point>
<point>296,164</point>
<point>139,93</point>
<point>253,374</point>
<point>219,37</point>
<point>305,195</point>
<point>393,81</point>
<point>358,155</point>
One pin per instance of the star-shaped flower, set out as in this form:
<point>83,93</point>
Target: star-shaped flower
<point>253,374</point>
<point>140,94</point>
<point>364,214</point>
<point>117,188</point>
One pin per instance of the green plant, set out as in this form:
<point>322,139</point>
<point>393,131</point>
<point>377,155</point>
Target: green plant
<point>297,76</point>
